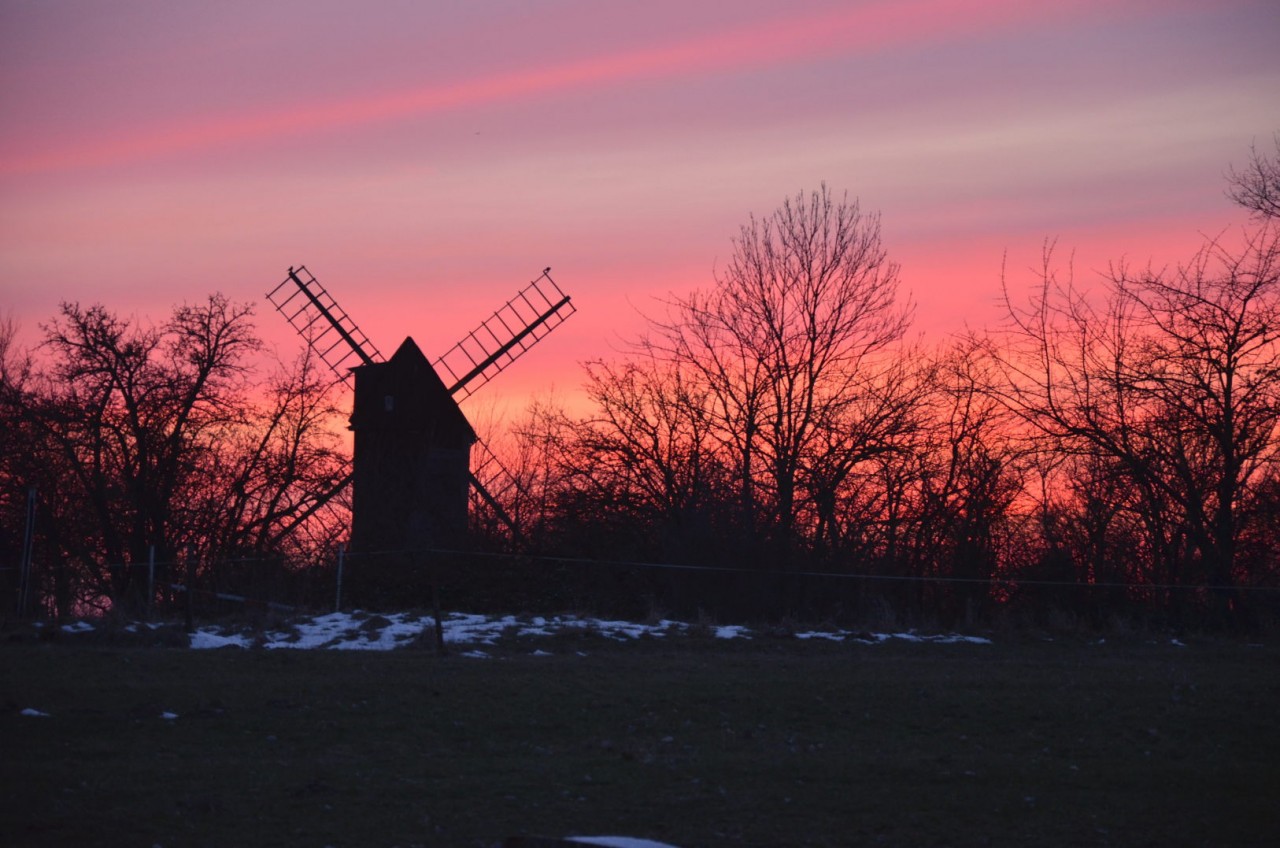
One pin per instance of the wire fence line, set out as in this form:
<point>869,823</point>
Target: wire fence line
<point>420,553</point>
<point>484,581</point>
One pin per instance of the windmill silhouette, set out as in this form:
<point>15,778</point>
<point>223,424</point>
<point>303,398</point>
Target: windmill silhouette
<point>411,466</point>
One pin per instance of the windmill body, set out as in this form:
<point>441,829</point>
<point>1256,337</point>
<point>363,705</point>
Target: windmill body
<point>412,463</point>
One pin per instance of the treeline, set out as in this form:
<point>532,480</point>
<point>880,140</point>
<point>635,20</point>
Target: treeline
<point>1109,451</point>
<point>1106,452</point>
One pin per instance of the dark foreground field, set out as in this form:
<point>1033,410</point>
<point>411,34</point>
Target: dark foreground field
<point>694,742</point>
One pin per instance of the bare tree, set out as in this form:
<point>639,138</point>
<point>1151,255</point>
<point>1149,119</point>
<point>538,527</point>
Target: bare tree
<point>795,331</point>
<point>648,451</point>
<point>972,470</point>
<point>534,458</point>
<point>1213,363</point>
<point>141,437</point>
<point>878,436</point>
<point>1175,376</point>
<point>278,460</point>
<point>126,412</point>
<point>1257,186</point>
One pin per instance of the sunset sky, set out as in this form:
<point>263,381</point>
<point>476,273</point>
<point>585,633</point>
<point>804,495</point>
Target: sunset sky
<point>426,159</point>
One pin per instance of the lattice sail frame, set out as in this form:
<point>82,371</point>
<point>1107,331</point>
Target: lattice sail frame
<point>504,336</point>
<point>323,324</point>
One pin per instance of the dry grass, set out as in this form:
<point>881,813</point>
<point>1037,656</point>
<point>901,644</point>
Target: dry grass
<point>694,741</point>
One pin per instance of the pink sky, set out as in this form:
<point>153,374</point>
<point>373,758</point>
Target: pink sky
<point>425,160</point>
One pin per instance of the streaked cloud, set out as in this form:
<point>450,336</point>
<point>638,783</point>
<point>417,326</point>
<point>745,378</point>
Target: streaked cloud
<point>860,28</point>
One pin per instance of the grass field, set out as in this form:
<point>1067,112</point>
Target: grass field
<point>694,741</point>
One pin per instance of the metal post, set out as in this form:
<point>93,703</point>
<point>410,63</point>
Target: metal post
<point>434,560</point>
<point>342,555</point>
<point>28,545</point>
<point>191,588</point>
<point>151,578</point>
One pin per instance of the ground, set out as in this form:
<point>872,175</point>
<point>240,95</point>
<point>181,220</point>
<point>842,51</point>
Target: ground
<point>565,727</point>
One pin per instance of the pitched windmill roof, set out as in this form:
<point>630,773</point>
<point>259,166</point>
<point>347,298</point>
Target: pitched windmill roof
<point>406,393</point>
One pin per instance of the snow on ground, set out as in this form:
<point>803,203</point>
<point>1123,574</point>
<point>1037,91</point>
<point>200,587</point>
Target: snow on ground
<point>357,631</point>
<point>363,631</point>
<point>618,842</point>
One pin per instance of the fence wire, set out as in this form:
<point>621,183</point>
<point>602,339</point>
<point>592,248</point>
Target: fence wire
<point>491,581</point>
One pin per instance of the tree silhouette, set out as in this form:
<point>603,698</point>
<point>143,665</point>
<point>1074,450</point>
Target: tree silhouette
<point>1172,377</point>
<point>1257,186</point>
<point>791,345</point>
<point>143,439</point>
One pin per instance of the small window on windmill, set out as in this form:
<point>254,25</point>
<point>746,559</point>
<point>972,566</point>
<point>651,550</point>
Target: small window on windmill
<point>389,403</point>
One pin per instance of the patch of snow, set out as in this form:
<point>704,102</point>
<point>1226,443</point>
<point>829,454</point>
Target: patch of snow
<point>383,639</point>
<point>77,627</point>
<point>542,653</point>
<point>359,631</point>
<point>955,638</point>
<point>168,716</point>
<point>205,638</point>
<point>316,633</point>
<point>1177,643</point>
<point>467,628</point>
<point>135,626</point>
<point>618,842</point>
<point>479,655</point>
<point>814,634</point>
<point>29,711</point>
<point>620,630</point>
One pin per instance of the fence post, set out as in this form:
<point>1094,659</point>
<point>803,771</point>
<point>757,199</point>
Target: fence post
<point>28,544</point>
<point>342,556</point>
<point>435,602</point>
<point>151,579</point>
<point>191,588</point>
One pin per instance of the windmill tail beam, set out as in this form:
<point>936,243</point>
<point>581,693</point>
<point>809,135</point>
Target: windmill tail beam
<point>311,510</point>
<point>497,508</point>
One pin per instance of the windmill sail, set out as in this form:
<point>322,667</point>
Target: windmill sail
<point>504,336</point>
<point>326,327</point>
